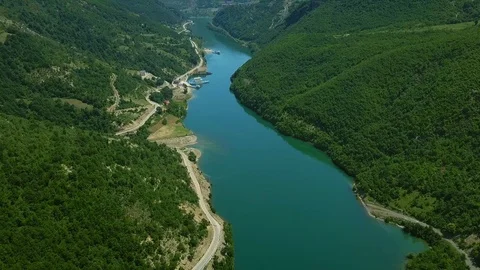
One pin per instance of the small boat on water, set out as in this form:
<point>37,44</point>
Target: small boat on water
<point>198,81</point>
<point>216,52</point>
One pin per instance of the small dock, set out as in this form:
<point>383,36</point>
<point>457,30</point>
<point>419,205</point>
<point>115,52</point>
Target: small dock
<point>197,81</point>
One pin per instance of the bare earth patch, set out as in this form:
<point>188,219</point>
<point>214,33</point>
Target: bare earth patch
<point>77,103</point>
<point>472,239</point>
<point>179,142</point>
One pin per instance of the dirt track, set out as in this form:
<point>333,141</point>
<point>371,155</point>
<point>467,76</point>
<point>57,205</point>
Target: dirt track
<point>217,228</point>
<point>116,95</point>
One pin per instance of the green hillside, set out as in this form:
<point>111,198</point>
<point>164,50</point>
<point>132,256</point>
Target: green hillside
<point>113,31</point>
<point>389,90</point>
<point>73,195</point>
<point>76,199</point>
<point>263,21</point>
<point>195,8</point>
<point>252,23</point>
<point>260,22</point>
<point>49,55</point>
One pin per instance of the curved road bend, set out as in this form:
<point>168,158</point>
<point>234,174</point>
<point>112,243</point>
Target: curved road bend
<point>184,77</point>
<point>144,119</point>
<point>185,27</point>
<point>135,127</point>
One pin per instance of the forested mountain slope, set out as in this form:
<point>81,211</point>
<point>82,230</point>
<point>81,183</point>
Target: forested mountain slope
<point>108,30</point>
<point>63,50</point>
<point>250,22</point>
<point>76,199</point>
<point>72,194</point>
<point>195,7</point>
<point>389,90</point>
<point>186,4</point>
<point>260,22</point>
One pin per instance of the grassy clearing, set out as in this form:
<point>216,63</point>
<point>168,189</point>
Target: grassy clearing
<point>138,96</point>
<point>127,118</point>
<point>180,131</point>
<point>77,103</point>
<point>416,203</point>
<point>441,27</point>
<point>3,37</point>
<point>457,26</point>
<point>139,101</point>
<point>155,123</point>
<point>126,104</point>
<point>174,128</point>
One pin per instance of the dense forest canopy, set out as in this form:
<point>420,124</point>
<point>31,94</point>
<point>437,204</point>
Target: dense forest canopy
<point>195,8</point>
<point>72,198</point>
<point>264,20</point>
<point>72,194</point>
<point>389,90</point>
<point>109,31</point>
<point>57,50</point>
<point>261,21</point>
<point>249,22</point>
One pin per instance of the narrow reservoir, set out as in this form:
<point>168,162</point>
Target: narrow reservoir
<point>290,207</point>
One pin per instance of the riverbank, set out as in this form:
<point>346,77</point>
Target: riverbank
<point>166,130</point>
<point>383,214</point>
<point>212,245</point>
<point>251,46</point>
<point>209,251</point>
<point>267,184</point>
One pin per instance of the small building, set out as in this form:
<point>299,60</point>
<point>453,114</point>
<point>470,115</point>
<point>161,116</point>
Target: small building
<point>166,102</point>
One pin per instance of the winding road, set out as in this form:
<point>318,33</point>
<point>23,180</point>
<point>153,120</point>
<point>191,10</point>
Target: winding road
<point>185,27</point>
<point>142,119</point>
<point>217,228</point>
<point>182,78</point>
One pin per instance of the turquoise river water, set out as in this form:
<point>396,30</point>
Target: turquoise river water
<point>290,207</point>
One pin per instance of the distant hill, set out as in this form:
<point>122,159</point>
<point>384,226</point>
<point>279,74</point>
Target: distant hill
<point>195,7</point>
<point>260,22</point>
<point>69,49</point>
<point>389,90</point>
